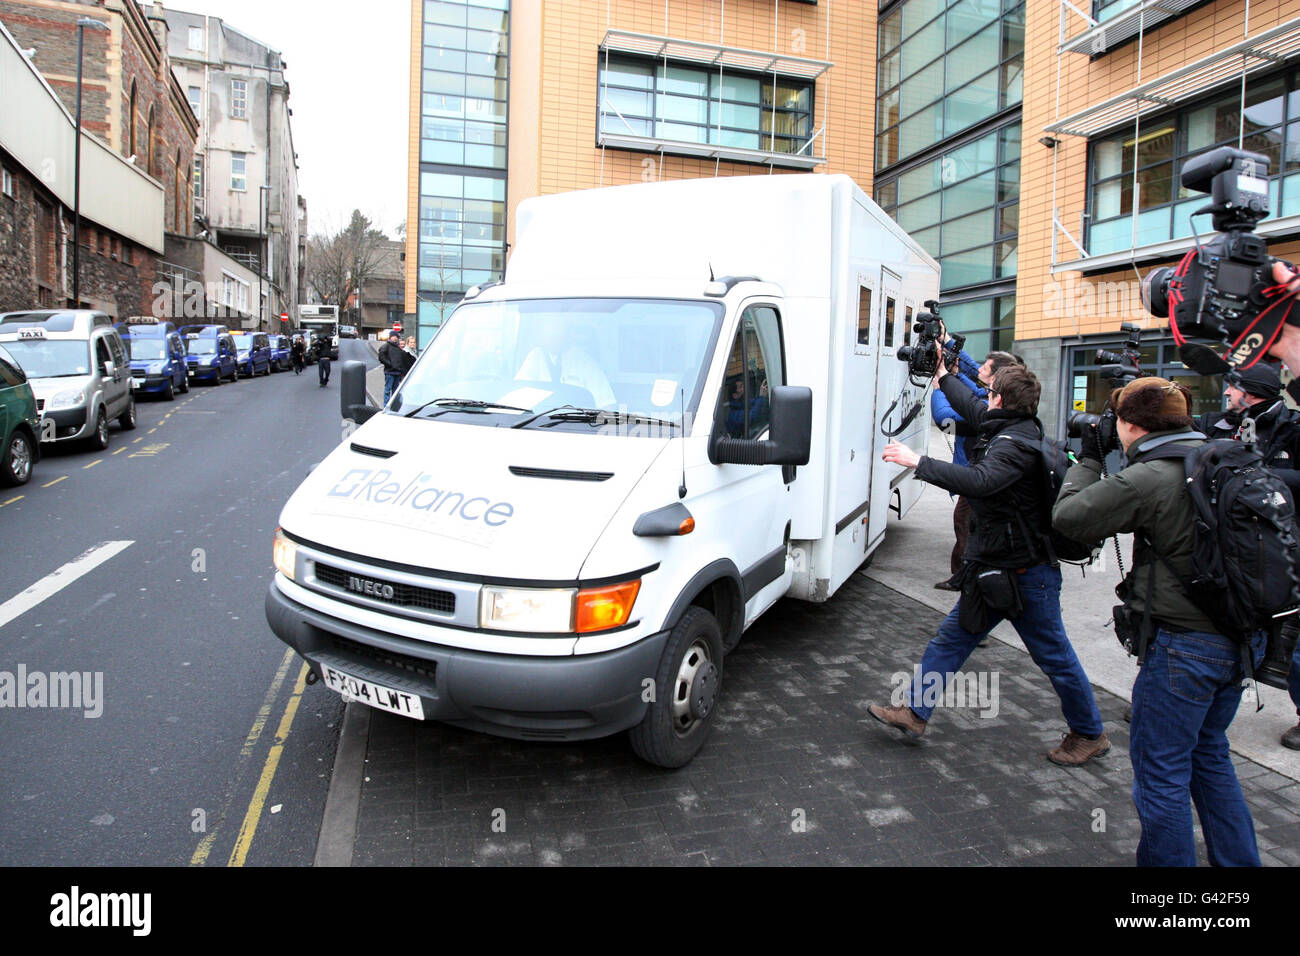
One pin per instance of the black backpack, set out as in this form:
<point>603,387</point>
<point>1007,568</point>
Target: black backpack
<point>1245,565</point>
<point>1054,462</point>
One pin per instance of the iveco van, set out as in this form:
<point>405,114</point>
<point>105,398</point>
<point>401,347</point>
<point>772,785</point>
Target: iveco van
<point>78,369</point>
<point>601,472</point>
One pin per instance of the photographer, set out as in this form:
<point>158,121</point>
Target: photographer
<point>977,379</point>
<point>1189,685</point>
<point>1257,415</point>
<point>1007,573</point>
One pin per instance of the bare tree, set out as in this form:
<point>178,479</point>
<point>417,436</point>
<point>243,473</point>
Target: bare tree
<point>340,264</point>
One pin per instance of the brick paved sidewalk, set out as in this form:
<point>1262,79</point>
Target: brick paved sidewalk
<point>796,772</point>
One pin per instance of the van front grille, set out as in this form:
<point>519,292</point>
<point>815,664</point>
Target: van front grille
<point>403,595</point>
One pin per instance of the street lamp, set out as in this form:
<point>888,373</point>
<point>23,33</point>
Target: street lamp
<point>82,25</point>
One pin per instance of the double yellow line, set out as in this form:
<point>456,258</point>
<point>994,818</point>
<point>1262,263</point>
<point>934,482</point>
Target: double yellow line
<point>257,803</point>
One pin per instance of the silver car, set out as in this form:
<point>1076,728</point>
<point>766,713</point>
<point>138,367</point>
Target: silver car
<point>78,369</point>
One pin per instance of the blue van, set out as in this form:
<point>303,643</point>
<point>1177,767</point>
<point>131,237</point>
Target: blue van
<point>254,353</point>
<point>281,360</point>
<point>157,353</point>
<point>211,353</point>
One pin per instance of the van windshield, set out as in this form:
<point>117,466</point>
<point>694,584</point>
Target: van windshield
<point>146,350</point>
<point>637,357</point>
<point>51,358</point>
<point>197,346</point>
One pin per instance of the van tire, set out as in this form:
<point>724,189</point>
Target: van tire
<point>16,463</point>
<point>169,394</point>
<point>99,437</point>
<point>126,421</point>
<point>185,383</point>
<point>678,721</point>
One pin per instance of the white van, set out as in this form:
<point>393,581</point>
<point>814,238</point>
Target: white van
<point>601,472</point>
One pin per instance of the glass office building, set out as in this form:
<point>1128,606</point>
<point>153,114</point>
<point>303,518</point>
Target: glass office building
<point>464,88</point>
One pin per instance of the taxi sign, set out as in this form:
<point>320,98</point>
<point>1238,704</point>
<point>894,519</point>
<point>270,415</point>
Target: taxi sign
<point>36,333</point>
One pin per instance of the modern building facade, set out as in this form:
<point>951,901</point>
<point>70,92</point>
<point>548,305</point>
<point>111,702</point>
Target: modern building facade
<point>1009,138</point>
<point>245,169</point>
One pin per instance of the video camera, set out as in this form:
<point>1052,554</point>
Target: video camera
<point>1119,368</point>
<point>923,358</point>
<point>1221,289</point>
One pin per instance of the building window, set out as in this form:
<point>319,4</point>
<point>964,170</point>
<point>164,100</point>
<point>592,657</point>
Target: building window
<point>196,99</point>
<point>239,172</point>
<point>963,207</point>
<point>942,71</point>
<point>131,121</point>
<point>198,187</point>
<point>464,85</point>
<point>6,183</point>
<point>462,232</point>
<point>196,38</point>
<point>238,99</point>
<point>1151,163</point>
<point>693,104</point>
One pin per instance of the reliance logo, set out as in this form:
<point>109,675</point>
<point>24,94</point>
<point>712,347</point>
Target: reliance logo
<point>378,486</point>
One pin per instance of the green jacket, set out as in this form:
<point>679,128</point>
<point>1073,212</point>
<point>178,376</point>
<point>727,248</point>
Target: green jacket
<point>1148,498</point>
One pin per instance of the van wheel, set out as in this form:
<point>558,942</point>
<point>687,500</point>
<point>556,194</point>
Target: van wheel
<point>185,384</point>
<point>16,465</point>
<point>99,439</point>
<point>679,720</point>
<point>126,421</point>
<point>170,394</point>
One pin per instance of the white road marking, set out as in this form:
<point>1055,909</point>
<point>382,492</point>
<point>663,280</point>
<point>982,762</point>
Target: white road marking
<point>56,581</point>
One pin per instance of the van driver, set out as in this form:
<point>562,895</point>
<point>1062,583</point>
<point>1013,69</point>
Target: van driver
<point>560,359</point>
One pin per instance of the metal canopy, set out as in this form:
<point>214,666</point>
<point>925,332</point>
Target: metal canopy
<point>620,41</point>
<point>1260,52</point>
<point>1111,32</point>
<point>673,147</point>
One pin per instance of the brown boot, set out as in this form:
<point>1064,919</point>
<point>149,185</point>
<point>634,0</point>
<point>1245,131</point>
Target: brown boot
<point>900,718</point>
<point>1076,750</point>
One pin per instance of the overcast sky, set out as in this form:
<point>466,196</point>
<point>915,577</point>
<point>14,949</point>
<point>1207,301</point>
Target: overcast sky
<point>348,72</point>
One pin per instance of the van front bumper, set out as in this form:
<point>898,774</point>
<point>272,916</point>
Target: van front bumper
<point>510,695</point>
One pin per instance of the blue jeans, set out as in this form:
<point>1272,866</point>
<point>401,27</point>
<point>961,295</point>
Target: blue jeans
<point>323,369</point>
<point>1040,627</point>
<point>1293,679</point>
<point>1185,696</point>
<point>391,381</point>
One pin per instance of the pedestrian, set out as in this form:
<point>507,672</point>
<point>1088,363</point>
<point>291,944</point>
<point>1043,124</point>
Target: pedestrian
<point>321,348</point>
<point>977,379</point>
<point>411,348</point>
<point>1007,571</point>
<point>298,352</point>
<point>395,361</point>
<point>1189,678</point>
<point>1257,415</point>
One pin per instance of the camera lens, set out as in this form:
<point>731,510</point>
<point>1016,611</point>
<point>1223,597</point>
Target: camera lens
<point>1077,422</point>
<point>1155,291</point>
<point>905,354</point>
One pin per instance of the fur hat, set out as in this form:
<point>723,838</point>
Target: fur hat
<point>1154,404</point>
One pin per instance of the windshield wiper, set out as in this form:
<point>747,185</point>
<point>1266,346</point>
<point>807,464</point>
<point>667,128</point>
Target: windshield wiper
<point>472,405</point>
<point>594,416</point>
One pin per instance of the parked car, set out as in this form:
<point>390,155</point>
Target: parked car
<point>157,353</point>
<point>254,350</point>
<point>280,361</point>
<point>347,331</point>
<point>19,423</point>
<point>210,354</point>
<point>78,370</point>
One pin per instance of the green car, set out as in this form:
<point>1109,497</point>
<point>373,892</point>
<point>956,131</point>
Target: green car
<point>19,423</point>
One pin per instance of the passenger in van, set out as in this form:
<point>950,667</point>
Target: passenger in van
<point>559,358</point>
<point>736,409</point>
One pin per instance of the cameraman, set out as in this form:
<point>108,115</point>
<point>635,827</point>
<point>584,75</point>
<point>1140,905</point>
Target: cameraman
<point>1189,684</point>
<point>1007,573</point>
<point>977,379</point>
<point>1257,415</point>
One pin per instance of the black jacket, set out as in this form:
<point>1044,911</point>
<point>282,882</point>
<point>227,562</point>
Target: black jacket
<point>1002,482</point>
<point>395,359</point>
<point>1277,436</point>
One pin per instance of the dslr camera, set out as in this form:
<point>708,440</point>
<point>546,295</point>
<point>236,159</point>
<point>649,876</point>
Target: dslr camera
<point>923,358</point>
<point>1219,289</point>
<point>1119,368</point>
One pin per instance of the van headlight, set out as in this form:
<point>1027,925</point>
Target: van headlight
<point>285,554</point>
<point>72,398</point>
<point>559,610</point>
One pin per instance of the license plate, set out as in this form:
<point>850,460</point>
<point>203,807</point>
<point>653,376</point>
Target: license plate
<point>376,695</point>
<point>190,373</point>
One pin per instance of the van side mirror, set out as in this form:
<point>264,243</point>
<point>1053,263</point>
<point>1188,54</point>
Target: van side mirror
<point>789,430</point>
<point>109,368</point>
<point>352,396</point>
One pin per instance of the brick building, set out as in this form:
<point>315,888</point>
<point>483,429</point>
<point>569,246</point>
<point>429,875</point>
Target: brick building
<point>130,98</point>
<point>122,208</point>
<point>1033,148</point>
